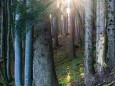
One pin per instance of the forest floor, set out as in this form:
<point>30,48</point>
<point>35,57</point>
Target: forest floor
<point>71,72</point>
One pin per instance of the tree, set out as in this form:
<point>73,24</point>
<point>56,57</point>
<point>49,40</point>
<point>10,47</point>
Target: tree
<point>111,33</point>
<point>72,34</point>
<point>101,47</point>
<point>1,25</point>
<point>43,63</point>
<point>18,46</point>
<point>56,30</point>
<point>28,48</point>
<point>97,24</point>
<point>89,58</point>
<point>4,39</point>
<point>9,40</point>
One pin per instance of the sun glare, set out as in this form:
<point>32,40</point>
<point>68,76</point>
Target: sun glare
<point>68,5</point>
<point>68,10</point>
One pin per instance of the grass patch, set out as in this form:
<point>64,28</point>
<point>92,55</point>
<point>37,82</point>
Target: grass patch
<point>69,71</point>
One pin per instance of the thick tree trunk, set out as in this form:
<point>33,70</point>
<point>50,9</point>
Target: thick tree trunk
<point>43,63</point>
<point>111,33</point>
<point>89,58</point>
<point>101,40</point>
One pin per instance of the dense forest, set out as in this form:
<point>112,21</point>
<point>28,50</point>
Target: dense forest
<point>57,42</point>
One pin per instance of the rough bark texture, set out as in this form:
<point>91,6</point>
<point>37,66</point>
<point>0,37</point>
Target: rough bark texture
<point>89,60</point>
<point>111,33</point>
<point>101,40</point>
<point>97,24</point>
<point>43,64</point>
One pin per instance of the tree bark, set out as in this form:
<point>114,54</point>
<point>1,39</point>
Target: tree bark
<point>89,58</point>
<point>28,56</point>
<point>101,40</point>
<point>111,33</point>
<point>18,47</point>
<point>28,48</point>
<point>43,63</point>
<point>9,41</point>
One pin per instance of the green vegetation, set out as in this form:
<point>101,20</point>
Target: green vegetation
<point>69,71</point>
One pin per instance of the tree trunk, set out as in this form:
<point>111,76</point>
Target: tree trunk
<point>1,26</point>
<point>28,56</point>
<point>18,58</point>
<point>89,58</point>
<point>72,34</point>
<point>111,33</point>
<point>43,63</point>
<point>29,49</point>
<point>9,42</point>
<point>4,39</point>
<point>101,40</point>
<point>97,25</point>
<point>18,48</point>
<point>56,31</point>
<point>52,26</point>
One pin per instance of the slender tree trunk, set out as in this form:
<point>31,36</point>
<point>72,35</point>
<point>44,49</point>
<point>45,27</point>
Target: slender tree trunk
<point>52,26</point>
<point>101,40</point>
<point>18,48</point>
<point>72,34</point>
<point>43,63</point>
<point>111,33</point>
<point>28,49</point>
<point>28,56</point>
<point>18,58</point>
<point>56,31</point>
<point>1,26</point>
<point>76,32</point>
<point>89,58</point>
<point>4,39</point>
<point>97,25</point>
<point>65,24</point>
<point>9,41</point>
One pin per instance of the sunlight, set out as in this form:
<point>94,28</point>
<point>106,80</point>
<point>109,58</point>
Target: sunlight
<point>68,78</point>
<point>68,10</point>
<point>66,5</point>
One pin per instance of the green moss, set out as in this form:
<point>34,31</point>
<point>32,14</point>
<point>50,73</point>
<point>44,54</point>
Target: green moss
<point>69,71</point>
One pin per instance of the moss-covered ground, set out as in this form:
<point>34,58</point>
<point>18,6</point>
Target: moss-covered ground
<point>69,72</point>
